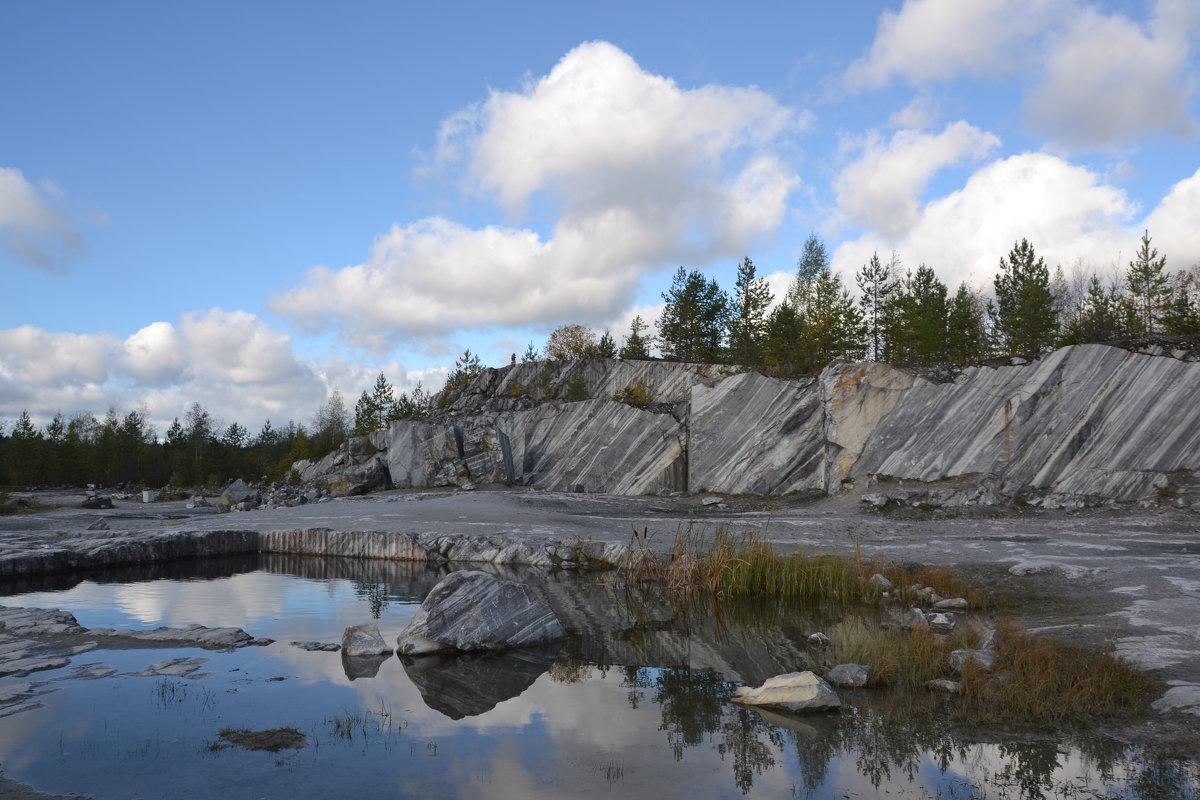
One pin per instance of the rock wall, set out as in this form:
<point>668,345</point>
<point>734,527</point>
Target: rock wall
<point>1083,424</point>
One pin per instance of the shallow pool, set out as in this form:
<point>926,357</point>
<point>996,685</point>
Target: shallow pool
<point>634,704</point>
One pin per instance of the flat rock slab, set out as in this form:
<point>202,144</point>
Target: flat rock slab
<point>172,668</point>
<point>798,692</point>
<point>471,610</point>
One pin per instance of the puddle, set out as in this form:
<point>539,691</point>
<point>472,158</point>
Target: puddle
<point>633,704</point>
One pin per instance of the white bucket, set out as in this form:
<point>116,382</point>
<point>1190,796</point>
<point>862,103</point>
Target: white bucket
<point>149,495</point>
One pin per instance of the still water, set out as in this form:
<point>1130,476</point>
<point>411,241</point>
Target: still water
<point>634,704</point>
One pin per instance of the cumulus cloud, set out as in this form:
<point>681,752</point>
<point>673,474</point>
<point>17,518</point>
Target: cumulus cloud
<point>1101,80</point>
<point>232,363</point>
<point>1108,81</point>
<point>929,40</point>
<point>881,188</point>
<point>1173,224</point>
<point>30,225</point>
<point>1065,210</point>
<point>639,171</point>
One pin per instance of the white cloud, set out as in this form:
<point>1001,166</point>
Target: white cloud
<point>1066,211</point>
<point>31,227</point>
<point>640,171</point>
<point>1102,80</point>
<point>929,40</point>
<point>1107,81</point>
<point>1173,224</point>
<point>232,363</point>
<point>881,189</point>
<point>44,358</point>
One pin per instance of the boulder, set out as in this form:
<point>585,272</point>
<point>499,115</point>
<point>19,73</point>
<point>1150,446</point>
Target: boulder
<point>882,583</point>
<point>944,686</point>
<point>942,622</point>
<point>471,610</point>
<point>364,640</point>
<point>950,604</point>
<point>797,692</point>
<point>849,676</point>
<point>819,640</point>
<point>980,659</point>
<point>238,492</point>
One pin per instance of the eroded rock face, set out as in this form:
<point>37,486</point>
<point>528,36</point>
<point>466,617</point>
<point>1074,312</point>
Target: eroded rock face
<point>1084,424</point>
<point>798,692</point>
<point>471,610</point>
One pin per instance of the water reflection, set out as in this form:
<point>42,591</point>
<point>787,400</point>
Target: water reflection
<point>634,702</point>
<point>471,684</point>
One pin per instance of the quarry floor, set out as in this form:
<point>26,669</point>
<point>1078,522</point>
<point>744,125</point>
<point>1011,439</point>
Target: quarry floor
<point>1123,577</point>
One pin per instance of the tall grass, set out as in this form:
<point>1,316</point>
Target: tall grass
<point>727,566</point>
<point>1040,680</point>
<point>1035,680</point>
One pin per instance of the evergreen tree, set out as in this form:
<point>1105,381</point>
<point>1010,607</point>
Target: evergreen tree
<point>366,415</point>
<point>748,317</point>
<point>466,368</point>
<point>693,320</point>
<point>531,354</point>
<point>966,336</point>
<point>878,284</point>
<point>1025,319</point>
<point>1182,314</point>
<point>919,320</point>
<point>1149,288</point>
<point>605,346</point>
<point>25,451</point>
<point>636,345</point>
<point>1098,317</point>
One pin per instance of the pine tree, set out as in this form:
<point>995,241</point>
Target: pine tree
<point>1149,288</point>
<point>919,320</point>
<point>466,368</point>
<point>605,346</point>
<point>693,320</point>
<point>1025,319</point>
<point>636,346</point>
<point>366,414</point>
<point>748,317</point>
<point>878,283</point>
<point>966,336</point>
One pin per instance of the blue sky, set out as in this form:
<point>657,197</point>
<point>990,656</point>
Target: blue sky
<point>249,204</point>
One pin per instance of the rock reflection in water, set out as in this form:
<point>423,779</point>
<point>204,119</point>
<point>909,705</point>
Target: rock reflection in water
<point>357,667</point>
<point>470,684</point>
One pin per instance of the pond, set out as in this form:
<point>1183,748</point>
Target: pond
<point>634,704</point>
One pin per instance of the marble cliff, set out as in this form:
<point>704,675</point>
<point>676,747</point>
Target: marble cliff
<point>1084,424</point>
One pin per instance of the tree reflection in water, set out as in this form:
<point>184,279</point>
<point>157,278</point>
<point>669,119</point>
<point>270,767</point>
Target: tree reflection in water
<point>893,741</point>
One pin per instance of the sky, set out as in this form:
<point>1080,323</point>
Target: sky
<point>249,205</point>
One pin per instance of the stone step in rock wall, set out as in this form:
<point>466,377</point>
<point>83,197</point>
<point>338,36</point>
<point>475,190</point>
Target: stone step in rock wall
<point>1084,424</point>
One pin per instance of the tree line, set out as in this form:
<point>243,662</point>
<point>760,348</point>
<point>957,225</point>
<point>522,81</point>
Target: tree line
<point>903,317</point>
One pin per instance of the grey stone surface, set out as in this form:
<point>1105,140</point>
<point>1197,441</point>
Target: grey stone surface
<point>471,610</point>
<point>798,692</point>
<point>1086,423</point>
<point>980,659</point>
<point>849,676</point>
<point>748,434</point>
<point>1082,425</point>
<point>364,640</point>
